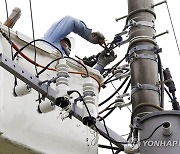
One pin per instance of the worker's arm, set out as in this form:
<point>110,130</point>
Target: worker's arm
<point>105,58</point>
<point>68,24</point>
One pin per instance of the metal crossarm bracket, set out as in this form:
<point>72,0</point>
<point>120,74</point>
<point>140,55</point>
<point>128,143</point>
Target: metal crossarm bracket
<point>26,77</point>
<point>46,90</point>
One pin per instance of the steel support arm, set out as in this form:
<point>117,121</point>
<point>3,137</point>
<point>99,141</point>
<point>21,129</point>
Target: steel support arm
<point>50,93</point>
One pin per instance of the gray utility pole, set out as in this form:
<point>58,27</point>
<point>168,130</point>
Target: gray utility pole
<point>156,129</point>
<point>143,58</point>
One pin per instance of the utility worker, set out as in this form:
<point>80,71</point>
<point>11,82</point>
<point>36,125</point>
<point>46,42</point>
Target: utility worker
<point>58,32</point>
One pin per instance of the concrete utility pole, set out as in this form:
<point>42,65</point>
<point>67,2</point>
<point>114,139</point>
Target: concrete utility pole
<point>143,60</point>
<point>156,128</point>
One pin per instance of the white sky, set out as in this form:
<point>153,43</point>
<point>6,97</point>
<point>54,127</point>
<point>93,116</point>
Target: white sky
<point>100,16</point>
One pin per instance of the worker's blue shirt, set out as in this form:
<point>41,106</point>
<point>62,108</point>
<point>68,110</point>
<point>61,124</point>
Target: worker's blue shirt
<point>60,29</point>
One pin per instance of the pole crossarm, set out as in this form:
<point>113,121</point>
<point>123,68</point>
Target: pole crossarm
<point>50,93</point>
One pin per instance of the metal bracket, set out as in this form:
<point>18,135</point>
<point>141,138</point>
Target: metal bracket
<point>139,86</point>
<point>133,23</point>
<point>142,38</point>
<point>138,48</point>
<point>46,90</point>
<point>159,3</point>
<point>135,57</point>
<point>117,19</point>
<point>26,77</point>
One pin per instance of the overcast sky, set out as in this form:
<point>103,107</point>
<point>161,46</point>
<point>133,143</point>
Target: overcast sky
<point>99,15</point>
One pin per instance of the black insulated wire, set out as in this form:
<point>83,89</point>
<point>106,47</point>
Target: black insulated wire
<point>107,147</point>
<point>34,43</point>
<point>161,80</point>
<point>87,72</point>
<point>40,40</point>
<point>153,132</point>
<point>114,67</point>
<point>107,114</point>
<point>107,133</point>
<point>46,67</point>
<point>114,92</point>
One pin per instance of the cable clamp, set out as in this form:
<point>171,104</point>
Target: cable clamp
<point>134,23</point>
<point>136,49</point>
<point>139,86</point>
<point>135,57</point>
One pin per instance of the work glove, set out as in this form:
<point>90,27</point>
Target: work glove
<point>106,57</point>
<point>92,60</point>
<point>96,38</point>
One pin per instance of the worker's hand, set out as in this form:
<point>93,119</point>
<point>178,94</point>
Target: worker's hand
<point>96,38</point>
<point>106,57</point>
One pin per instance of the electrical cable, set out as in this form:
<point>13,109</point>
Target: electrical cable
<point>125,91</point>
<point>127,87</point>
<point>107,108</point>
<point>32,62</point>
<point>161,80</point>
<point>135,109</point>
<point>87,72</point>
<point>81,97</point>
<point>107,114</point>
<point>153,132</point>
<point>107,137</point>
<point>168,93</point>
<point>108,80</point>
<point>119,150</point>
<point>114,66</point>
<point>19,51</point>
<point>173,27</point>
<point>107,147</point>
<point>23,55</point>
<point>114,92</point>
<point>34,43</point>
<point>45,68</point>
<point>107,132</point>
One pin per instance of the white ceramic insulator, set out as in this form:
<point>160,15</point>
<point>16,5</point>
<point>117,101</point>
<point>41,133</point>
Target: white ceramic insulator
<point>61,90</point>
<point>62,83</point>
<point>62,67</point>
<point>118,74</point>
<point>89,99</point>
<point>46,106</point>
<point>88,86</point>
<point>92,110</point>
<point>167,130</point>
<point>21,90</point>
<point>129,148</point>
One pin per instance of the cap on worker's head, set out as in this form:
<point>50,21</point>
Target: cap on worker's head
<point>70,41</point>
